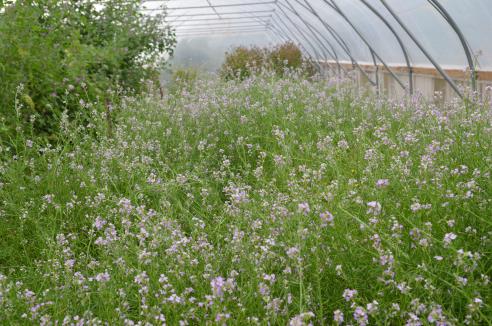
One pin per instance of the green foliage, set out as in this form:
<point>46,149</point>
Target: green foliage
<point>242,62</point>
<point>183,79</point>
<point>285,56</point>
<point>64,54</point>
<point>263,202</point>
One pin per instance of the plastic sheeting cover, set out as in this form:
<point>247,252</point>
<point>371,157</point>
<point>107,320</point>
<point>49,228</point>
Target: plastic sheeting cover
<point>349,32</point>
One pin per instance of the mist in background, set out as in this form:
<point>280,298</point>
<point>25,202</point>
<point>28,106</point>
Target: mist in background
<point>207,53</point>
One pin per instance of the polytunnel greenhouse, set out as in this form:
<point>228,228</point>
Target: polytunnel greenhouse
<point>400,46</point>
<point>245,162</point>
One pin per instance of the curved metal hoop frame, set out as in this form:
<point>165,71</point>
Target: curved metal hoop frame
<point>317,35</point>
<point>464,43</point>
<point>333,5</point>
<point>400,42</point>
<point>422,48</point>
<point>282,26</point>
<point>338,39</point>
<point>322,47</point>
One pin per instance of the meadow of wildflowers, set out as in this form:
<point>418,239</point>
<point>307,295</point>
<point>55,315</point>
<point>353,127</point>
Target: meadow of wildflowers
<point>266,201</point>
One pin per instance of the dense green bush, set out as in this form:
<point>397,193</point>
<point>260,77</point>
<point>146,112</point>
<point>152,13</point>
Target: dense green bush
<point>242,61</point>
<point>56,56</point>
<point>286,55</point>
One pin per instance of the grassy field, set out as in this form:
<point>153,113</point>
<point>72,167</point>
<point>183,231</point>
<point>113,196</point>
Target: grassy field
<point>258,202</point>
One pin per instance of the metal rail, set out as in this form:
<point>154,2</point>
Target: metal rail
<point>338,39</point>
<point>422,48</point>
<point>332,4</point>
<point>317,35</point>
<point>295,39</point>
<point>464,43</point>
<point>399,40</point>
<point>220,19</point>
<point>299,31</point>
<point>302,36</point>
<point>314,33</point>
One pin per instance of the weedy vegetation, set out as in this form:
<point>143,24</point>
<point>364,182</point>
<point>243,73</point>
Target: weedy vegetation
<point>57,56</point>
<point>242,62</point>
<point>259,201</point>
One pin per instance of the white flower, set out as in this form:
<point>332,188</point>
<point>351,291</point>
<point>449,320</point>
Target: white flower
<point>374,208</point>
<point>303,208</point>
<point>448,238</point>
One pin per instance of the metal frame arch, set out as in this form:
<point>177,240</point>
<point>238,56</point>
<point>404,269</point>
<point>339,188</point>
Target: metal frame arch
<point>317,35</point>
<point>339,40</point>
<point>315,51</point>
<point>299,35</point>
<point>298,30</point>
<point>314,35</point>
<point>280,31</point>
<point>333,5</point>
<point>399,40</point>
<point>422,48</point>
<point>464,43</point>
<point>342,43</point>
<point>295,38</point>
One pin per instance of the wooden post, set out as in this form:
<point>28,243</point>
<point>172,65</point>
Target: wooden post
<point>108,118</point>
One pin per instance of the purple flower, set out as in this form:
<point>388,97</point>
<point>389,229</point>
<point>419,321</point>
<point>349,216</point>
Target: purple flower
<point>435,315</point>
<point>99,223</point>
<point>349,294</point>
<point>48,198</point>
<point>292,252</point>
<point>217,285</point>
<point>327,218</point>
<point>448,238</point>
<point>338,316</point>
<point>303,208</point>
<point>381,183</point>
<point>360,316</point>
<point>343,144</point>
<point>374,208</point>
<point>103,277</point>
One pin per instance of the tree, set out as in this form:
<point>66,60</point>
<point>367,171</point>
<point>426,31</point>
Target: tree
<point>57,55</point>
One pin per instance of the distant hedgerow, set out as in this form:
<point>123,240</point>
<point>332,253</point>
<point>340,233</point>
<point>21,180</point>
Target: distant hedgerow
<point>242,61</point>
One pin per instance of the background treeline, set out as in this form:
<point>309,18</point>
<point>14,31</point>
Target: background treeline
<point>58,56</point>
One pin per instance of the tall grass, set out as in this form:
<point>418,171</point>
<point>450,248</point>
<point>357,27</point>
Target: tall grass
<point>264,201</point>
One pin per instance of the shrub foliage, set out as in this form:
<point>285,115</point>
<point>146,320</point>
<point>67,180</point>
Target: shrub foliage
<point>242,61</point>
<point>56,56</point>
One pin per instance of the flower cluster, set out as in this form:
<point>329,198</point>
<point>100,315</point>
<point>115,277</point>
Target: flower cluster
<point>267,201</point>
